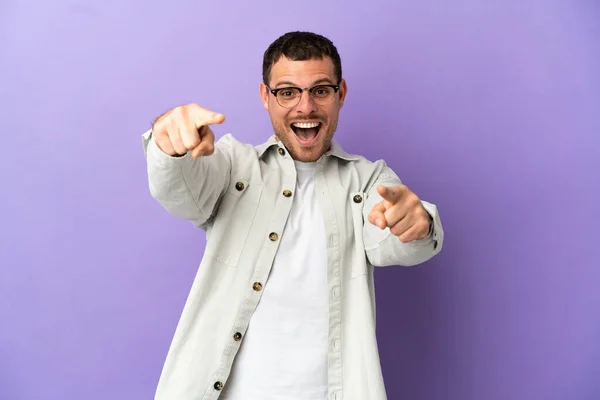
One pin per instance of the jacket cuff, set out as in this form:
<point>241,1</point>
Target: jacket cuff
<point>436,232</point>
<point>152,151</point>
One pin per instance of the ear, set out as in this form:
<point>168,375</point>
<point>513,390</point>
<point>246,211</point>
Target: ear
<point>264,95</point>
<point>343,91</point>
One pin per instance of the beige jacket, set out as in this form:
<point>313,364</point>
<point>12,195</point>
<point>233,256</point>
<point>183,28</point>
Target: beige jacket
<point>241,196</point>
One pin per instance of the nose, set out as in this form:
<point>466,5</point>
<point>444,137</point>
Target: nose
<point>306,105</point>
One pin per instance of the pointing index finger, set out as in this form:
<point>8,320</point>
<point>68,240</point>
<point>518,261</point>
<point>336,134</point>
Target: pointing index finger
<point>205,117</point>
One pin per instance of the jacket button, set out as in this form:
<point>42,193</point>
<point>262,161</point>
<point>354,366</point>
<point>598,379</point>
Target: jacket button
<point>218,385</point>
<point>257,286</point>
<point>287,193</point>
<point>281,151</point>
<point>357,198</point>
<point>237,336</point>
<point>273,236</point>
<point>239,186</point>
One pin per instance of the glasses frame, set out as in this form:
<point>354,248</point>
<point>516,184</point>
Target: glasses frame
<point>274,92</point>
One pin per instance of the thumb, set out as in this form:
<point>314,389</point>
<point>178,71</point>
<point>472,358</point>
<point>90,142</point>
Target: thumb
<point>377,216</point>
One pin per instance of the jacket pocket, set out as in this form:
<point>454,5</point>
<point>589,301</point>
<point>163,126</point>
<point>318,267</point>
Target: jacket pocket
<point>227,237</point>
<point>358,258</point>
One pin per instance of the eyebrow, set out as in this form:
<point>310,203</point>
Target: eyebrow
<point>317,82</point>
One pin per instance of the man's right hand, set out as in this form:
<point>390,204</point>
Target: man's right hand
<point>185,128</point>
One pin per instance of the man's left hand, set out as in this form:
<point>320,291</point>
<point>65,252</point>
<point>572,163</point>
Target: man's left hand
<point>401,211</point>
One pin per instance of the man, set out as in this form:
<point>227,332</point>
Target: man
<point>283,305</point>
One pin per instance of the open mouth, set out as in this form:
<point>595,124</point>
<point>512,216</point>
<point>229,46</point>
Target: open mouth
<point>306,132</point>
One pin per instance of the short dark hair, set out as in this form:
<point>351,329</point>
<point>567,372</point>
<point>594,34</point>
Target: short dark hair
<point>301,46</point>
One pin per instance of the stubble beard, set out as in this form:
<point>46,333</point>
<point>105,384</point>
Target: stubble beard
<point>284,133</point>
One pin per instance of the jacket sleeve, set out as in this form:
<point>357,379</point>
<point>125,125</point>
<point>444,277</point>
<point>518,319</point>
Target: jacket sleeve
<point>382,247</point>
<point>188,188</point>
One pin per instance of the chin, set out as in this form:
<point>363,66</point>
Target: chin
<point>304,153</point>
<point>307,154</point>
<point>306,157</point>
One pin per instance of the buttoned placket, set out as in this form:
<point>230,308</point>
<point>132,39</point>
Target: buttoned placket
<point>262,270</point>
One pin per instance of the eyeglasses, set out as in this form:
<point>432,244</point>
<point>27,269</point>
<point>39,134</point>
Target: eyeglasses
<point>289,97</point>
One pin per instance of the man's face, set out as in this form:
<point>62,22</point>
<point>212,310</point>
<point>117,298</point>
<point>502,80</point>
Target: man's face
<point>306,128</point>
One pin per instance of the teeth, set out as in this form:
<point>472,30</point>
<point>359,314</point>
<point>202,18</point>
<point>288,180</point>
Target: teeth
<point>305,125</point>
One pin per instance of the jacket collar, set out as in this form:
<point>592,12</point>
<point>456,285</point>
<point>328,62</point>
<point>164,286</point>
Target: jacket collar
<point>334,150</point>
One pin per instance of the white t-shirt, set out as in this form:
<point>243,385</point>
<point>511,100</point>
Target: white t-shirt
<point>284,352</point>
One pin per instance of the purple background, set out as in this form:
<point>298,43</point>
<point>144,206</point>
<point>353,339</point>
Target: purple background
<point>489,109</point>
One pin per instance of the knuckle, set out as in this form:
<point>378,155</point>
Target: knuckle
<point>181,148</point>
<point>182,111</point>
<point>191,142</point>
<point>178,117</point>
<point>174,137</point>
<point>162,140</point>
<point>414,200</point>
<point>161,134</point>
<point>194,107</point>
<point>388,214</point>
<point>165,147</point>
<point>159,128</point>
